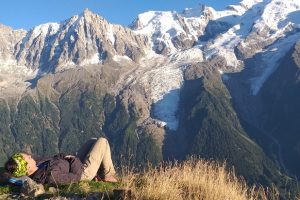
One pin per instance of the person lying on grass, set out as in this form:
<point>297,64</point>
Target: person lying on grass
<point>93,161</point>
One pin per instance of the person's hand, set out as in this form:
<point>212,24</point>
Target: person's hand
<point>4,177</point>
<point>69,157</point>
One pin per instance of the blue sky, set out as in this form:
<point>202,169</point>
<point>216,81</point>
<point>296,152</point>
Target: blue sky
<point>29,13</point>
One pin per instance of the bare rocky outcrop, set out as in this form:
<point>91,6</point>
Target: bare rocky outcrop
<point>8,39</point>
<point>254,43</point>
<point>32,189</point>
<point>296,54</point>
<point>257,40</point>
<point>135,100</point>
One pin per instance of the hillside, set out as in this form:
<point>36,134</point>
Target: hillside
<point>193,179</point>
<point>221,85</point>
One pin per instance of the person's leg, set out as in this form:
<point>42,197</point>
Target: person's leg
<point>99,155</point>
<point>85,149</point>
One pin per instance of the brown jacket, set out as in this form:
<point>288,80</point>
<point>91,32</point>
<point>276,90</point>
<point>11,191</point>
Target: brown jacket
<point>58,170</point>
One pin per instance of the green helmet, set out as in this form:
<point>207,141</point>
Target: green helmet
<point>21,169</point>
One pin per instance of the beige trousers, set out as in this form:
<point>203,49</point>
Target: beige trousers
<point>96,158</point>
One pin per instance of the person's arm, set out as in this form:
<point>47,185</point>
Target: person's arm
<point>75,164</point>
<point>57,177</point>
<point>69,174</point>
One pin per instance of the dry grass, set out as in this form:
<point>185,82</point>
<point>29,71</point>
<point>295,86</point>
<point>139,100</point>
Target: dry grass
<point>193,179</point>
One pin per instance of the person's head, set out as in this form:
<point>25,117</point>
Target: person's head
<point>21,164</point>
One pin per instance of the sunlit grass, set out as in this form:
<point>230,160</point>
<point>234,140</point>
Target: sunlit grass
<point>192,179</point>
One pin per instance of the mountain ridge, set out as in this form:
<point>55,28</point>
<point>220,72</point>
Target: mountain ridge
<point>170,85</point>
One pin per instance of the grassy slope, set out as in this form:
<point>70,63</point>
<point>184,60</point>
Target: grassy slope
<point>192,179</point>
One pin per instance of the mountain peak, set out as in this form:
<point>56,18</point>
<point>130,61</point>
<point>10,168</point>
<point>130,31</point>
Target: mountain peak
<point>87,13</point>
<point>90,17</point>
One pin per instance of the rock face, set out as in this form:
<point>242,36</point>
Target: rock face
<point>171,31</point>
<point>32,189</point>
<point>282,90</point>
<point>8,39</point>
<point>84,39</point>
<point>173,84</point>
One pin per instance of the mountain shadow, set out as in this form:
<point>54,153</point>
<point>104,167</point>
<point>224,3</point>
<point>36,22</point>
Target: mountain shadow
<point>210,128</point>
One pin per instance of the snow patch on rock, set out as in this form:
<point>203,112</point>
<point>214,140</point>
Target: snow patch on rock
<point>163,86</point>
<point>110,34</point>
<point>91,61</point>
<point>13,78</point>
<point>45,29</point>
<point>118,58</point>
<point>271,59</point>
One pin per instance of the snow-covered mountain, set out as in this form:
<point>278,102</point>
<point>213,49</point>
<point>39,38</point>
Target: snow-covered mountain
<point>84,39</point>
<point>145,67</point>
<point>239,32</point>
<point>266,29</point>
